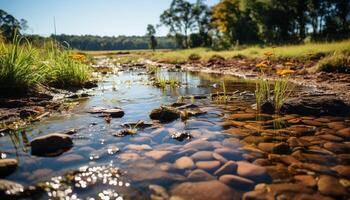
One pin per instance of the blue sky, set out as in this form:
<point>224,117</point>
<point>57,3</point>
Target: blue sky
<point>96,17</point>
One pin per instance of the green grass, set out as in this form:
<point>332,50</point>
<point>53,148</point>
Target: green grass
<point>22,66</point>
<point>303,51</point>
<point>338,62</point>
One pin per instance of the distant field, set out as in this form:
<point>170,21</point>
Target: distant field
<point>304,51</point>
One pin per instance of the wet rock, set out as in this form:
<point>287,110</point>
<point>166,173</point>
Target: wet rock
<point>158,154</point>
<point>232,143</point>
<point>342,170</point>
<point>199,145</point>
<point>184,163</point>
<point>219,157</point>
<point>315,158</point>
<point>51,143</point>
<point>331,138</point>
<point>209,166</point>
<point>322,105</point>
<point>156,176</point>
<point>254,139</point>
<point>202,156</point>
<point>40,173</point>
<point>301,130</point>
<point>306,180</point>
<point>214,190</point>
<point>237,182</point>
<point>312,122</point>
<point>165,114</point>
<point>329,185</point>
<point>297,142</point>
<point>129,156</point>
<point>337,125</point>
<point>9,189</point>
<point>345,133</point>
<point>253,172</point>
<point>158,192</point>
<point>311,167</point>
<point>200,175</point>
<point>256,195</point>
<point>229,167</point>
<point>239,132</point>
<point>180,136</point>
<point>113,112</point>
<point>276,148</point>
<point>70,158</point>
<point>7,166</point>
<point>139,125</point>
<point>286,159</point>
<point>337,147</point>
<point>229,154</point>
<point>248,116</point>
<point>138,147</point>
<point>267,107</point>
<point>282,188</point>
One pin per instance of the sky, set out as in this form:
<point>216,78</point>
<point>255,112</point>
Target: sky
<point>94,17</point>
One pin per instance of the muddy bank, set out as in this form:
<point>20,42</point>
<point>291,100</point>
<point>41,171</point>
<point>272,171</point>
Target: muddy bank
<point>20,107</point>
<point>322,83</point>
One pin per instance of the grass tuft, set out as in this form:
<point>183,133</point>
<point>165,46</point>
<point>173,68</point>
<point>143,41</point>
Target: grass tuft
<point>338,62</point>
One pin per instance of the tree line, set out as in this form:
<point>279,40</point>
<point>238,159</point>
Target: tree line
<point>232,22</point>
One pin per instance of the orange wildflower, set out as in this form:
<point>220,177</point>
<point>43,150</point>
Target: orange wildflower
<point>262,64</point>
<point>268,54</point>
<point>285,72</point>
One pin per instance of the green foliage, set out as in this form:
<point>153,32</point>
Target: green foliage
<point>216,58</point>
<point>338,62</point>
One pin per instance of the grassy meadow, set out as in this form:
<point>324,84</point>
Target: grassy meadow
<point>25,67</point>
<point>302,51</point>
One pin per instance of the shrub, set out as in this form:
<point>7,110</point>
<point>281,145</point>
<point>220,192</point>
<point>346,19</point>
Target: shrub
<point>338,62</point>
<point>216,58</point>
<point>194,57</point>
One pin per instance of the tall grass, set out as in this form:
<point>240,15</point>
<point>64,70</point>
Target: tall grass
<point>22,66</point>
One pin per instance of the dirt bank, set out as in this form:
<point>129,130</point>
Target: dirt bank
<point>322,83</point>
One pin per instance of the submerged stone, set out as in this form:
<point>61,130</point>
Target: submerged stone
<point>51,143</point>
<point>317,106</point>
<point>165,114</point>
<point>213,190</point>
<point>7,166</point>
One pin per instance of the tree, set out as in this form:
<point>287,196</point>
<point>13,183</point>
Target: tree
<point>9,26</point>
<point>233,19</point>
<point>151,31</point>
<point>180,19</point>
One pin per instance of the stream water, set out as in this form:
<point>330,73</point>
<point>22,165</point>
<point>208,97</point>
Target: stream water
<point>150,164</point>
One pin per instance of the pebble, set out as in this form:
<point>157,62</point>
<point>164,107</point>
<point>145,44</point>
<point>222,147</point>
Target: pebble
<point>7,166</point>
<point>214,190</point>
<point>237,182</point>
<point>184,163</point>
<point>158,154</point>
<point>329,185</point>
<point>209,166</point>
<point>50,143</point>
<point>229,167</point>
<point>200,175</point>
<point>253,172</point>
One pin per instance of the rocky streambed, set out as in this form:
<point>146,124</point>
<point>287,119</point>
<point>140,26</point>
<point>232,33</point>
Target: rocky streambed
<point>132,140</point>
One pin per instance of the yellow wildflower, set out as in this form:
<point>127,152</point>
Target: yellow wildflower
<point>285,72</point>
<point>268,54</point>
<point>262,64</point>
